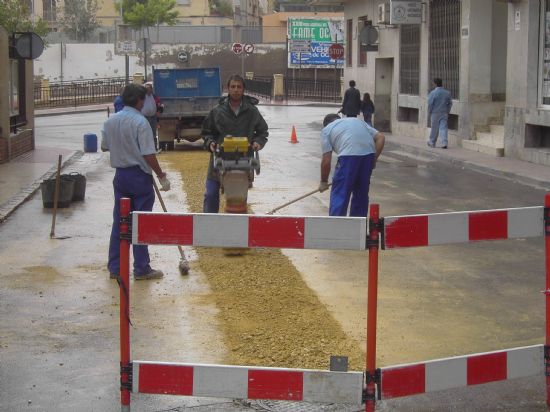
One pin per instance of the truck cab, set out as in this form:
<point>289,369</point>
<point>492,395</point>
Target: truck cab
<point>187,95</point>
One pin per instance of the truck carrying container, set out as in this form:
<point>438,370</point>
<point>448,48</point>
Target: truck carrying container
<point>187,95</point>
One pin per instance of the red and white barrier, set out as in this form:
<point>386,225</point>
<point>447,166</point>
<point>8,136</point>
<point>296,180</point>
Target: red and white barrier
<point>231,230</point>
<point>462,227</point>
<point>249,231</point>
<point>440,374</point>
<point>223,381</point>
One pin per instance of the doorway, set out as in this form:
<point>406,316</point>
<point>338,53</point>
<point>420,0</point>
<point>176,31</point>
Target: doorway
<point>383,73</point>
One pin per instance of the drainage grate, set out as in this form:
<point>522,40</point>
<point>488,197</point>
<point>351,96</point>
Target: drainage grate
<point>287,406</point>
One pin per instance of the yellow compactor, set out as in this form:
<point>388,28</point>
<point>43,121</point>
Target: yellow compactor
<point>236,163</point>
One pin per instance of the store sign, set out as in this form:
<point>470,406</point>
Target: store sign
<point>319,34</point>
<point>405,12</point>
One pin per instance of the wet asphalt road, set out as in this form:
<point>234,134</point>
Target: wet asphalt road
<point>60,327</point>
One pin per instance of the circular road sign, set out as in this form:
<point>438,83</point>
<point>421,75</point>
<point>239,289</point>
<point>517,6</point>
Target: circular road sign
<point>237,48</point>
<point>183,56</point>
<point>248,48</point>
<point>336,51</point>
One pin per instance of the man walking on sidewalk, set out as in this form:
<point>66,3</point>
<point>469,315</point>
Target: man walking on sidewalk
<point>439,106</point>
<point>128,137</point>
<point>351,105</point>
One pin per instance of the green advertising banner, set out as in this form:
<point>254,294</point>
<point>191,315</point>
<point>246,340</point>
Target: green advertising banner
<point>316,30</point>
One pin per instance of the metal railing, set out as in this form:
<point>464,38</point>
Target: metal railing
<point>313,90</point>
<point>77,93</point>
<point>260,86</point>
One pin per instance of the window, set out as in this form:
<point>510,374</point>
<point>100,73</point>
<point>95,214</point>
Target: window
<point>362,48</point>
<point>349,43</point>
<point>409,59</point>
<point>49,10</point>
<point>444,53</point>
<point>16,93</point>
<point>13,87</point>
<point>545,92</point>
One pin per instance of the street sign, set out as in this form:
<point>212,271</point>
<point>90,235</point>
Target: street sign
<point>300,46</point>
<point>248,48</point>
<point>237,48</point>
<point>336,51</point>
<point>183,57</point>
<point>127,46</point>
<point>405,12</point>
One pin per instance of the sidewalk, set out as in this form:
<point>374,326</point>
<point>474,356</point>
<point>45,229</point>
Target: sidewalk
<point>20,178</point>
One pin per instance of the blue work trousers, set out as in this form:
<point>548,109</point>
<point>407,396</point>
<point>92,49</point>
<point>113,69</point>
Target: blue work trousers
<point>351,180</point>
<point>211,202</point>
<point>134,183</point>
<point>439,127</point>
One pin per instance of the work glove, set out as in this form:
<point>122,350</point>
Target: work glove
<point>323,186</point>
<point>164,183</point>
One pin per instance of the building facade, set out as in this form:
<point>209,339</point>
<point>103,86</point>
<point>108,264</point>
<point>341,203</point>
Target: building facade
<point>16,103</point>
<point>491,55</point>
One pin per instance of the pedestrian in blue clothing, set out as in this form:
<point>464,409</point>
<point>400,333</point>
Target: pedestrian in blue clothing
<point>439,106</point>
<point>358,146</point>
<point>118,104</point>
<point>129,139</point>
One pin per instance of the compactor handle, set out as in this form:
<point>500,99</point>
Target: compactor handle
<point>256,162</point>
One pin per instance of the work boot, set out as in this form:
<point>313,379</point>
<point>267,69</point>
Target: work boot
<point>152,274</point>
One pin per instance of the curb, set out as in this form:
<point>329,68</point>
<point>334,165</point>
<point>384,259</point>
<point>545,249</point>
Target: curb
<point>526,180</point>
<point>17,200</point>
<point>47,114</point>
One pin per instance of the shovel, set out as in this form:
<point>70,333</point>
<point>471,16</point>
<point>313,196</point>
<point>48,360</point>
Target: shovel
<point>56,199</point>
<point>184,264</point>
<point>295,200</point>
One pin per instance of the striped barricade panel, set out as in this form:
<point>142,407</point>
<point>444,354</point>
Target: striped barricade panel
<point>224,381</point>
<point>440,374</point>
<point>232,230</point>
<point>462,227</point>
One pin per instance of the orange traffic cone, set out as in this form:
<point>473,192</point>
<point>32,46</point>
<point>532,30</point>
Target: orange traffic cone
<point>293,138</point>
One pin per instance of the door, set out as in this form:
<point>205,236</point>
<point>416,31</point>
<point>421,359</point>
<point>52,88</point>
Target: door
<point>383,71</point>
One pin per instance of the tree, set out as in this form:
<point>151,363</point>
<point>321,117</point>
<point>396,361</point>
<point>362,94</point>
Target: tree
<point>164,13</point>
<point>79,18</point>
<point>221,8</point>
<point>15,16</point>
<point>143,14</point>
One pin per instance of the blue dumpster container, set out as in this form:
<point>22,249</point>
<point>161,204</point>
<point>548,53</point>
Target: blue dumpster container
<point>90,142</point>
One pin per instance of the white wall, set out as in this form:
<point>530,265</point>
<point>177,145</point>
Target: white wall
<point>82,61</point>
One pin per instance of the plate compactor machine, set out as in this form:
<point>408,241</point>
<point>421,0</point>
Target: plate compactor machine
<point>236,163</point>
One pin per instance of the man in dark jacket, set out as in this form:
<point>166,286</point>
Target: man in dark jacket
<point>351,105</point>
<point>236,115</point>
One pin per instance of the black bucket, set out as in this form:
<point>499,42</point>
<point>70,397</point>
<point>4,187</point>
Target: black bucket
<point>79,185</point>
<point>66,191</point>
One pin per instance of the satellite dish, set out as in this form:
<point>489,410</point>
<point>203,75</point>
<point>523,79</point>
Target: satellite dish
<point>368,35</point>
<point>27,46</point>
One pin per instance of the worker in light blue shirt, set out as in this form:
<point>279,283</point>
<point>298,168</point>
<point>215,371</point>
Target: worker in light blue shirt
<point>439,107</point>
<point>358,146</point>
<point>128,138</point>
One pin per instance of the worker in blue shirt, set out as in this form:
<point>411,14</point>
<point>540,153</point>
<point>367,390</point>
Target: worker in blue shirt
<point>358,146</point>
<point>439,106</point>
<point>128,138</point>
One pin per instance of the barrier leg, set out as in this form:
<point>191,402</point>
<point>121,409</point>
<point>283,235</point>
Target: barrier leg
<point>547,295</point>
<point>124,287</point>
<point>372,379</point>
